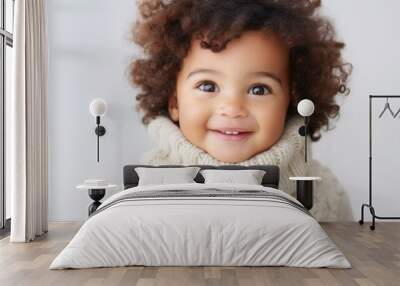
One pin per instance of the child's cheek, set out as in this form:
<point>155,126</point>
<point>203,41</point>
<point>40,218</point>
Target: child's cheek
<point>271,123</point>
<point>193,116</point>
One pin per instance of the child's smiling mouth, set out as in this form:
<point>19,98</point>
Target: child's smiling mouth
<point>231,134</point>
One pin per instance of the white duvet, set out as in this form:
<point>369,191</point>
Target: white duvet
<point>182,231</point>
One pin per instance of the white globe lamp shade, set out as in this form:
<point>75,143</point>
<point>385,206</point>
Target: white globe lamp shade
<point>305,107</point>
<point>98,107</point>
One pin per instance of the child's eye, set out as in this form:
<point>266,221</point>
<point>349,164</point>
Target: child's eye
<point>259,90</point>
<point>207,87</point>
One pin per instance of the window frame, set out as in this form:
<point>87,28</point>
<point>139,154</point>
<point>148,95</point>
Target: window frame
<point>6,39</point>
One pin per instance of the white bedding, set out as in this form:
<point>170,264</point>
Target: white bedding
<point>182,231</point>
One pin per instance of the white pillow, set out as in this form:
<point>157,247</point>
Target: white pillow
<point>249,177</point>
<point>162,176</point>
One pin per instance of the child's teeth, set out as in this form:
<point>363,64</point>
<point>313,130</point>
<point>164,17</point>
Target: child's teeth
<point>232,132</point>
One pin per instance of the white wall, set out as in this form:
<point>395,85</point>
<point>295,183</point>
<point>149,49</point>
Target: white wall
<point>89,51</point>
<point>370,31</point>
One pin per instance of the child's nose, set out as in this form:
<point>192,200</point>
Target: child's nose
<point>232,106</point>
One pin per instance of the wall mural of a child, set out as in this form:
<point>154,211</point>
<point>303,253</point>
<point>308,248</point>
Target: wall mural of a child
<point>221,81</point>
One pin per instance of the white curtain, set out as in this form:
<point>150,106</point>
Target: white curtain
<point>26,119</point>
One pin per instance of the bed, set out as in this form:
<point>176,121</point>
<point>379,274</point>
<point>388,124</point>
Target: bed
<point>201,224</point>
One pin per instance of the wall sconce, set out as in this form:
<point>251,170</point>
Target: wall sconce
<point>98,107</point>
<point>305,108</point>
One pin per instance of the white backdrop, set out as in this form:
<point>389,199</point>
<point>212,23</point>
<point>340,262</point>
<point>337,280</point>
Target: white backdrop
<point>89,51</point>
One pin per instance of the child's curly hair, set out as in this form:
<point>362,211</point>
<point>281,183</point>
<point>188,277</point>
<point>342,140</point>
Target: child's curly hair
<point>166,29</point>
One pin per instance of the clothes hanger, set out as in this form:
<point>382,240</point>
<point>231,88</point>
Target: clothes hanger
<point>398,111</point>
<point>387,106</point>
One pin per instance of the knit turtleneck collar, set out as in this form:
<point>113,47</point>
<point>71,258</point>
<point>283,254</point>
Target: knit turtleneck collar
<point>174,148</point>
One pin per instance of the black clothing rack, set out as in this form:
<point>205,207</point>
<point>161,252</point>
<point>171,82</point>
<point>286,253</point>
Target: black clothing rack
<point>369,205</point>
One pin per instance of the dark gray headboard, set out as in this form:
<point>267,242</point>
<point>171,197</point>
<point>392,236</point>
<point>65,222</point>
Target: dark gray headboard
<point>271,177</point>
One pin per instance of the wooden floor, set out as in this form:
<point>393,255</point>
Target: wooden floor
<point>374,255</point>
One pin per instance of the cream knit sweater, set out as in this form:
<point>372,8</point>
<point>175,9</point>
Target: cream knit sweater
<point>171,147</point>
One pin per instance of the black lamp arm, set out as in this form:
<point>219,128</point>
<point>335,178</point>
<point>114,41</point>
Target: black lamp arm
<point>100,131</point>
<point>303,131</point>
<point>306,121</point>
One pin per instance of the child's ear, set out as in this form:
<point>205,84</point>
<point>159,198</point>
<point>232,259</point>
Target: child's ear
<point>173,108</point>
